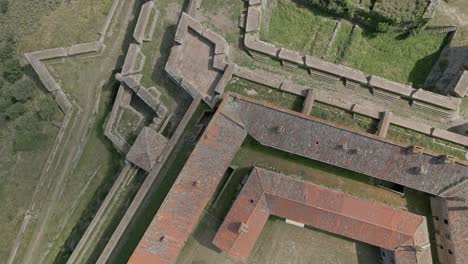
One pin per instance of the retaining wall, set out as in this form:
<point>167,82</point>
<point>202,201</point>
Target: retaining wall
<point>274,82</point>
<point>330,72</point>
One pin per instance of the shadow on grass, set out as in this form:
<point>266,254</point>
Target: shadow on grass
<point>99,196</point>
<point>423,67</point>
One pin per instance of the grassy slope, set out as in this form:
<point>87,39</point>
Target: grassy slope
<point>74,22</point>
<point>406,59</point>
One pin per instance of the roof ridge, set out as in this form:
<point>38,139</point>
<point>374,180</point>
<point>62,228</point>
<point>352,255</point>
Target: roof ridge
<point>346,216</point>
<point>255,207</point>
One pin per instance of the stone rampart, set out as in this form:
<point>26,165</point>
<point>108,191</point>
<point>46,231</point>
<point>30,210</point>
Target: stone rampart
<point>461,89</point>
<point>142,23</point>
<point>330,72</point>
<point>270,80</point>
<point>84,48</point>
<point>151,180</point>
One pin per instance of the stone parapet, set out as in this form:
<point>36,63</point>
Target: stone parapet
<point>330,72</point>
<point>290,56</point>
<point>461,89</point>
<point>335,69</point>
<point>142,23</point>
<point>272,81</point>
<point>390,86</point>
<point>384,124</point>
<point>84,48</point>
<point>445,102</point>
<point>253,20</point>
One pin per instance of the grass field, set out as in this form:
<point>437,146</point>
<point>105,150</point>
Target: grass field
<point>399,57</point>
<point>67,196</point>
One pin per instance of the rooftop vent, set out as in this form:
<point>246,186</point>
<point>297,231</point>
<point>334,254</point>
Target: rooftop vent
<point>415,150</point>
<point>280,129</point>
<point>342,146</point>
<point>447,159</point>
<point>421,170</point>
<point>243,228</point>
<point>196,183</point>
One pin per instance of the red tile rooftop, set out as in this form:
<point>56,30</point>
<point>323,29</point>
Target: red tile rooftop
<point>315,139</point>
<point>268,193</point>
<point>196,183</point>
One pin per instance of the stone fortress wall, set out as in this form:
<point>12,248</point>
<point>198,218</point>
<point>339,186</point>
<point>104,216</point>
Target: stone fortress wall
<point>442,105</point>
<point>131,74</point>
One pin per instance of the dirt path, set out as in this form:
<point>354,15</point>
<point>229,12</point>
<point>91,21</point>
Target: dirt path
<point>70,152</point>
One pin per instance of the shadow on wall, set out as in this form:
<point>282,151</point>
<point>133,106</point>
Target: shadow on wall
<point>447,70</point>
<point>423,67</point>
<point>460,129</point>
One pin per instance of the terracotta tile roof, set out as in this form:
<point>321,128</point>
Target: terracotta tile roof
<point>267,192</point>
<point>146,148</point>
<point>457,208</point>
<point>302,135</point>
<point>195,185</point>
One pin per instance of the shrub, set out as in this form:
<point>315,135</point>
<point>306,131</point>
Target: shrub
<point>47,109</point>
<point>22,90</point>
<point>12,70</point>
<point>383,27</point>
<point>15,110</point>
<point>4,4</point>
<point>7,51</point>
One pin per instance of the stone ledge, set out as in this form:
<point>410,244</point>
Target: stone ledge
<point>187,22</point>
<point>446,102</point>
<point>131,59</point>
<point>255,2</point>
<point>335,69</point>
<point>290,56</point>
<point>142,23</point>
<point>84,48</point>
<point>251,42</point>
<point>46,54</point>
<point>390,86</point>
<point>221,46</point>
<point>253,20</point>
<point>219,89</point>
<point>450,136</point>
<point>461,89</point>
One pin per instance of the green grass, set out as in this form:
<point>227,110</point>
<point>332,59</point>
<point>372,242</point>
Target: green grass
<point>398,57</point>
<point>336,115</point>
<point>342,39</point>
<point>128,124</point>
<point>411,137</point>
<point>261,92</point>
<point>406,10</point>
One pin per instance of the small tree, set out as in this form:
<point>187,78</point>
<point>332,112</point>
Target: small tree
<point>22,90</point>
<point>4,4</point>
<point>383,27</point>
<point>15,110</point>
<point>12,70</point>
<point>7,51</point>
<point>47,109</point>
